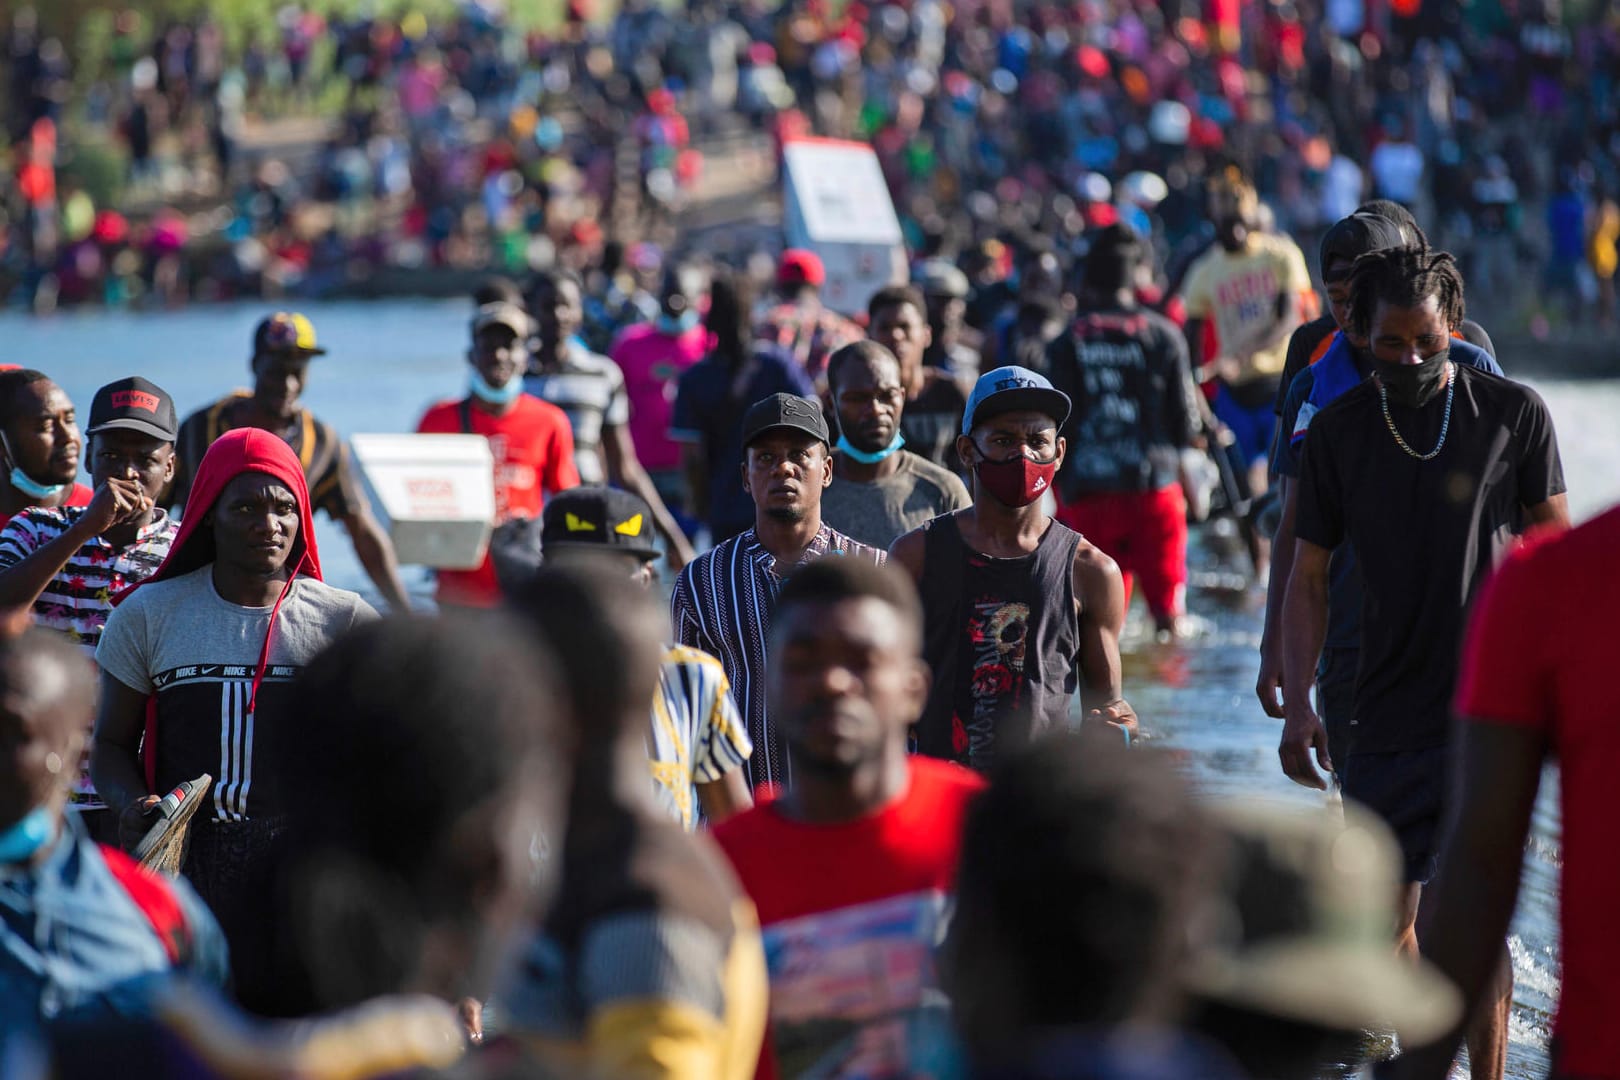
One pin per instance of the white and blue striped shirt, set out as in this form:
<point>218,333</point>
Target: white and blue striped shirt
<point>696,735</point>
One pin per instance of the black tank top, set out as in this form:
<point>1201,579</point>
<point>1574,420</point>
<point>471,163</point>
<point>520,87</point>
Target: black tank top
<point>1002,637</point>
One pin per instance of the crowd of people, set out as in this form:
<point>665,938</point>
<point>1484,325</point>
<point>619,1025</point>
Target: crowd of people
<point>837,810</point>
<point>1006,132</point>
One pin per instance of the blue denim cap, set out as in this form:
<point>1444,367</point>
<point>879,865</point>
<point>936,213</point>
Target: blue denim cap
<point>1013,389</point>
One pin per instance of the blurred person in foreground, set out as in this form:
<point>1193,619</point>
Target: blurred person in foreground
<point>530,440</point>
<point>1537,682</point>
<point>880,490</point>
<point>723,600</point>
<point>197,665</point>
<point>1428,469</point>
<point>649,963</point>
<point>68,563</point>
<point>1125,369</point>
<point>283,346</point>
<point>1082,868</point>
<point>1290,967</point>
<point>851,867</point>
<point>88,934</point>
<point>39,436</point>
<point>590,390</point>
<point>385,936</point>
<point>696,744</point>
<point>711,398</point>
<point>1344,360</point>
<point>1020,610</point>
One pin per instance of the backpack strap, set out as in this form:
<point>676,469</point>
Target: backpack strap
<point>157,902</point>
<point>465,410</point>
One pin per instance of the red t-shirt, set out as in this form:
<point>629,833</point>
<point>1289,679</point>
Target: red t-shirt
<point>79,496</point>
<point>533,447</point>
<point>851,915</point>
<point>1540,654</point>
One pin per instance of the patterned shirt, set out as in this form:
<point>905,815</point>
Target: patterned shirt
<point>810,332</point>
<point>722,604</point>
<point>697,736</point>
<point>78,599</point>
<point>590,389</point>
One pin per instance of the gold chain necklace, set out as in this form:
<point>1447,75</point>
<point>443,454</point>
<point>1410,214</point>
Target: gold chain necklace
<point>1445,423</point>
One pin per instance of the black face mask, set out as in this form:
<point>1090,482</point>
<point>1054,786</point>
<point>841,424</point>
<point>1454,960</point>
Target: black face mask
<point>1232,233</point>
<point>1412,385</point>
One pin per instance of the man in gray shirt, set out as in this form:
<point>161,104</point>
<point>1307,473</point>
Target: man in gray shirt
<point>879,490</point>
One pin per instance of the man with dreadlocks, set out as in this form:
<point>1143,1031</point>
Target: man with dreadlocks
<point>1427,469</point>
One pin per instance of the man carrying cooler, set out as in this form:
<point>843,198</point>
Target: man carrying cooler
<point>530,439</point>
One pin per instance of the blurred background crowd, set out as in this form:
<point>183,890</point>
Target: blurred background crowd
<point>244,150</point>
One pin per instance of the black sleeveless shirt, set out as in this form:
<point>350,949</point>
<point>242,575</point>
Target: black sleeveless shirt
<point>1002,637</point>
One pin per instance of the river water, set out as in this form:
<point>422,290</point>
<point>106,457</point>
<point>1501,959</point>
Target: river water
<point>389,360</point>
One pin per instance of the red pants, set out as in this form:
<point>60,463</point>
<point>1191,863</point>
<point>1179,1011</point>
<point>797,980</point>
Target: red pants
<point>1146,534</point>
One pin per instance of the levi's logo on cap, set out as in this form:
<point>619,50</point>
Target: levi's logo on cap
<point>135,399</point>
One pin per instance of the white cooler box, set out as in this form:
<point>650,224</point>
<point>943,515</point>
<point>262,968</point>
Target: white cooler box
<point>435,494</point>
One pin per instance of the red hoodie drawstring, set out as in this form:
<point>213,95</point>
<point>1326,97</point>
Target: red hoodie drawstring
<point>264,652</point>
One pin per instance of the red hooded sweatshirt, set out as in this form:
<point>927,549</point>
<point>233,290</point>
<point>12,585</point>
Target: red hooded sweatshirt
<point>233,453</point>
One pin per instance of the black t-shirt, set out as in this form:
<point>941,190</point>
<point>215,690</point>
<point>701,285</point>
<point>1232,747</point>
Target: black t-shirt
<point>1128,377</point>
<point>1304,348</point>
<point>933,420</point>
<point>1425,532</point>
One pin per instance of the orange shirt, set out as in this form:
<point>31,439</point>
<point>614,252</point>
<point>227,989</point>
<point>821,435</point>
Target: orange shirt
<point>533,448</point>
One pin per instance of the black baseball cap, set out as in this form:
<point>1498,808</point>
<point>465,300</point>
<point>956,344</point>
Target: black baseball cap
<point>598,517</point>
<point>134,404</point>
<point>785,411</point>
<point>1350,238</point>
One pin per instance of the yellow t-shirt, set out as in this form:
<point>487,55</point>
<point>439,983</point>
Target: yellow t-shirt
<point>1239,292</point>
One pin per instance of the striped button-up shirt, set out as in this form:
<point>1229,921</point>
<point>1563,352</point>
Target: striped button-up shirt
<point>77,601</point>
<point>722,604</point>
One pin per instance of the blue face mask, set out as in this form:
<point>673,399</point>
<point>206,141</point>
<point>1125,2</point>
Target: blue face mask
<point>866,457</point>
<point>33,488</point>
<point>497,395</point>
<point>23,840</point>
<point>678,326</point>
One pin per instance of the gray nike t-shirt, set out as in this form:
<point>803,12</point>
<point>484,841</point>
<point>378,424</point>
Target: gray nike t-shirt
<point>197,653</point>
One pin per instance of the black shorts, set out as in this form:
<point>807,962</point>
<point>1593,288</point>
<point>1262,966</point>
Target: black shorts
<point>1336,700</point>
<point>1408,790</point>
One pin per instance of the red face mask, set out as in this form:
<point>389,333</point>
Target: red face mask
<point>1017,481</point>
